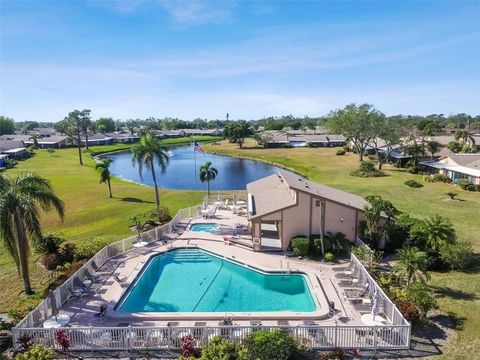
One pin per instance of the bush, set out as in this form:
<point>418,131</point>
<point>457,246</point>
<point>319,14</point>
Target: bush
<point>268,345</point>
<point>10,163</point>
<point>37,352</point>
<point>340,152</point>
<point>329,256</point>
<point>51,261</point>
<point>219,348</point>
<point>451,194</point>
<point>161,215</point>
<point>440,178</point>
<point>477,187</point>
<point>367,169</point>
<point>88,248</point>
<point>336,243</point>
<point>409,310</point>
<point>24,306</point>
<point>346,148</point>
<point>413,184</point>
<point>300,245</point>
<point>454,146</point>
<point>423,298</point>
<point>49,244</point>
<point>335,354</point>
<point>463,184</point>
<point>458,256</point>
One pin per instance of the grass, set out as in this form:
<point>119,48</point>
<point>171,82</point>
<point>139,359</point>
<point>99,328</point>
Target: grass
<point>96,150</point>
<point>458,292</point>
<point>90,213</point>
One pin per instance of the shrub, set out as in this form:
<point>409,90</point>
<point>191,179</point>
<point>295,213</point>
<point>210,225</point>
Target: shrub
<point>161,215</point>
<point>68,252</point>
<point>346,148</point>
<point>267,345</point>
<point>477,187</point>
<point>454,146</point>
<point>37,352</point>
<point>423,298</point>
<point>409,310</point>
<point>458,256</point>
<point>451,194</point>
<point>62,339</point>
<point>317,243</point>
<point>88,248</point>
<point>335,354</point>
<point>340,152</point>
<point>367,169</point>
<point>49,244</point>
<point>188,347</point>
<point>10,163</point>
<point>51,261</point>
<point>25,342</point>
<point>463,184</point>
<point>300,245</point>
<point>413,184</point>
<point>219,348</point>
<point>329,256</point>
<point>440,178</point>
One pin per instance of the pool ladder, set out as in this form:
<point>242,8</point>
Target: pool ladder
<point>287,271</point>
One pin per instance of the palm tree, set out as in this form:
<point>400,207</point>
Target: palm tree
<point>464,137</point>
<point>21,200</point>
<point>103,166</point>
<point>34,139</point>
<point>146,152</point>
<point>411,265</point>
<point>437,231</point>
<point>432,147</point>
<point>208,173</point>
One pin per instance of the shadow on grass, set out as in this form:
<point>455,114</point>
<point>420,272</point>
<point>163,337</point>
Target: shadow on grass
<point>136,200</point>
<point>446,291</point>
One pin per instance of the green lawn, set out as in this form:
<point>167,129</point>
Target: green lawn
<point>458,291</point>
<point>101,149</point>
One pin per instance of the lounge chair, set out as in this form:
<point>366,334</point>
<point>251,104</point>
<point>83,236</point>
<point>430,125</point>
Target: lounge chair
<point>121,281</point>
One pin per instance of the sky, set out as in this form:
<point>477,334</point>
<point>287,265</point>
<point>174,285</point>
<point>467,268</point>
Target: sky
<point>190,59</point>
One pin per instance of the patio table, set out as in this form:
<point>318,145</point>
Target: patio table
<point>51,324</point>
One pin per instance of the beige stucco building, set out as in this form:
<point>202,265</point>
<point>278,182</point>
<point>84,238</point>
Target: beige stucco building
<point>283,205</point>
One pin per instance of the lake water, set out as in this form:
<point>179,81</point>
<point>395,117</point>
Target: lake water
<point>233,173</point>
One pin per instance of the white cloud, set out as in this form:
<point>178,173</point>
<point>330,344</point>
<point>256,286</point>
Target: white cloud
<point>197,12</point>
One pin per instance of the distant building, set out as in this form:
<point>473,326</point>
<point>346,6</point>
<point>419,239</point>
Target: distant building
<point>456,167</point>
<point>123,138</point>
<point>97,139</point>
<point>283,139</point>
<point>15,149</point>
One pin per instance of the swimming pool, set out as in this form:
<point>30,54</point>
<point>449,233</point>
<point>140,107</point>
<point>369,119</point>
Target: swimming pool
<point>193,280</point>
<point>205,227</point>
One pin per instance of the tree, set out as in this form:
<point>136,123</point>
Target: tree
<point>86,125</point>
<point>433,232</point>
<point>7,125</point>
<point>464,137</point>
<point>414,150</point>
<point>147,152</point>
<point>105,125</point>
<point>208,173</point>
<point>411,265</point>
<point>391,132</point>
<point>359,124</point>
<point>34,138</point>
<point>73,126</point>
<point>432,147</point>
<point>131,125</point>
<point>103,166</point>
<point>237,131</point>
<point>373,213</point>
<point>21,200</point>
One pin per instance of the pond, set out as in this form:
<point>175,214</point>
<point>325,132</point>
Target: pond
<point>233,173</point>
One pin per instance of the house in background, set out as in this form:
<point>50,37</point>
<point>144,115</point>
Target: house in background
<point>53,141</point>
<point>123,138</point>
<point>284,205</point>
<point>3,158</point>
<point>15,149</point>
<point>456,167</point>
<point>97,139</point>
<point>284,139</point>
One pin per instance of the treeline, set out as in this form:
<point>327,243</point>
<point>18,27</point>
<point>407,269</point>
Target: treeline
<point>427,124</point>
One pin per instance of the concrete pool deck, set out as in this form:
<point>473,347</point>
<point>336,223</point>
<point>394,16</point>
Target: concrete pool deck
<point>108,290</point>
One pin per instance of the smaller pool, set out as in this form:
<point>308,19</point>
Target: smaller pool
<point>205,227</point>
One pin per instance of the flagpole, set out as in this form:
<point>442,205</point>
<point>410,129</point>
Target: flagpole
<point>195,164</point>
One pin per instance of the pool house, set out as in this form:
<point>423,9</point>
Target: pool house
<point>202,274</point>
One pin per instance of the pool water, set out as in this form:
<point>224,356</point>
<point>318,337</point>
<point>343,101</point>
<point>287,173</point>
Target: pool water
<point>191,280</point>
<point>205,227</point>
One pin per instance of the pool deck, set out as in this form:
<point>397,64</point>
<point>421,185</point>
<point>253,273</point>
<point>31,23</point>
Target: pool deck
<point>125,267</point>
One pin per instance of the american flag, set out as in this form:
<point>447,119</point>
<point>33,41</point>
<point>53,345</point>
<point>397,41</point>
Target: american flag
<point>198,148</point>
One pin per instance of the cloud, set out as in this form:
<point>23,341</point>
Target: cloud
<point>197,12</point>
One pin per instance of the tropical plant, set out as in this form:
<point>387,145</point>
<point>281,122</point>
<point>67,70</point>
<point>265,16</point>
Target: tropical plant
<point>103,166</point>
<point>413,184</point>
<point>436,231</point>
<point>458,256</point>
<point>423,298</point>
<point>415,151</point>
<point>37,352</point>
<point>208,173</point>
<point>432,147</point>
<point>21,200</point>
<point>264,345</point>
<point>451,194</point>
<point>51,151</point>
<point>34,139</point>
<point>219,348</point>
<point>300,245</point>
<point>454,146</point>
<point>147,152</point>
<point>411,266</point>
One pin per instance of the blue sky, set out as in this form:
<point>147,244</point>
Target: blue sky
<point>188,59</point>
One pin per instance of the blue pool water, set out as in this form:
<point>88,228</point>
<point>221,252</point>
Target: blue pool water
<point>205,227</point>
<point>195,281</point>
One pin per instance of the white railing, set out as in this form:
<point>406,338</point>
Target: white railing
<point>64,291</point>
<point>156,338</point>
